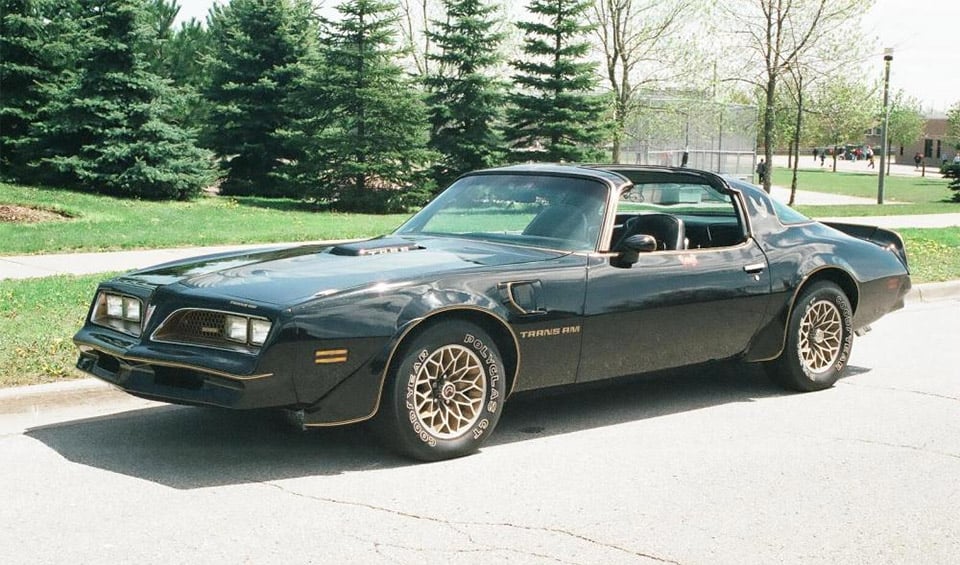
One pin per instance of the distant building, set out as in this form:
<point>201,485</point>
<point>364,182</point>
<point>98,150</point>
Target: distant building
<point>932,143</point>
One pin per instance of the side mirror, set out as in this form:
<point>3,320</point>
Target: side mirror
<point>633,246</point>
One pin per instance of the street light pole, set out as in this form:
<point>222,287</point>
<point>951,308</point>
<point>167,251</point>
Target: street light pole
<point>887,57</point>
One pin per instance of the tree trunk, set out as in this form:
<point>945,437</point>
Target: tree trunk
<point>798,125</point>
<point>620,127</point>
<point>768,119</point>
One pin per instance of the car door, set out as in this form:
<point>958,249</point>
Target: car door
<point>676,307</point>
<point>671,309</point>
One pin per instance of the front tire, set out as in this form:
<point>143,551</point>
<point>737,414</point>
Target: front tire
<point>819,340</point>
<point>444,397</point>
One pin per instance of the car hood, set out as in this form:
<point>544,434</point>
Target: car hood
<point>290,275</point>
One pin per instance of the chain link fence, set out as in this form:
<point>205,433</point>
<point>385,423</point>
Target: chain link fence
<point>715,137</point>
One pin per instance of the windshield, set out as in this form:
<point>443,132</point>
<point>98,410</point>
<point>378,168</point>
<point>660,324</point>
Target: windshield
<point>541,210</point>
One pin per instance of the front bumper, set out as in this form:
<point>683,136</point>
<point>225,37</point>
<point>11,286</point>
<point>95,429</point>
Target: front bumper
<point>148,373</point>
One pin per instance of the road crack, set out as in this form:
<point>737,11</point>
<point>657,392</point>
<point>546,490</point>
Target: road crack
<point>454,523</point>
<point>899,446</point>
<point>894,389</point>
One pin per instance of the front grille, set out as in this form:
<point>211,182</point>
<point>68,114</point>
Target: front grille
<point>198,327</point>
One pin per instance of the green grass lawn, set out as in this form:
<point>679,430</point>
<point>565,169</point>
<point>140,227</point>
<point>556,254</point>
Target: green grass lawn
<point>847,210</point>
<point>100,223</point>
<point>933,254</point>
<point>38,318</point>
<point>902,195</point>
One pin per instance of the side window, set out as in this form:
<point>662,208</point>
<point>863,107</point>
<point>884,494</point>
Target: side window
<point>705,217</point>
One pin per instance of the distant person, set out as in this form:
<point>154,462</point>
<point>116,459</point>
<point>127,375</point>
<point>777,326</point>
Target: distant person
<point>762,169</point>
<point>917,159</point>
<point>816,153</point>
<point>823,157</point>
<point>870,159</point>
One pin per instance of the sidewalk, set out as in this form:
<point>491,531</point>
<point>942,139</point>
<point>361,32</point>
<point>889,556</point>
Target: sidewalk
<point>32,266</point>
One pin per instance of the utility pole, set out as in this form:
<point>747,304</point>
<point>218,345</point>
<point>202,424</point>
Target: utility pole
<point>887,57</point>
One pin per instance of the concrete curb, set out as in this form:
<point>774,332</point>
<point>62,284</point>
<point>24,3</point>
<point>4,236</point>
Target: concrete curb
<point>20,399</point>
<point>24,398</point>
<point>933,292</point>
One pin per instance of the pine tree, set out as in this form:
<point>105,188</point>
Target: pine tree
<point>33,55</point>
<point>158,17</point>
<point>182,62</point>
<point>372,153</point>
<point>465,100</point>
<point>184,53</point>
<point>257,53</point>
<point>109,130</point>
<point>555,116</point>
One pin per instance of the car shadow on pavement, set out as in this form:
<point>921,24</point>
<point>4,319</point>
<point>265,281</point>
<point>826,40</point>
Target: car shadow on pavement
<point>188,448</point>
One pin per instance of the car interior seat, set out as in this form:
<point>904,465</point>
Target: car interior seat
<point>666,229</point>
<point>560,221</point>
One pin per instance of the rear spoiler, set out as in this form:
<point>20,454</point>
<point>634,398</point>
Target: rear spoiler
<point>888,239</point>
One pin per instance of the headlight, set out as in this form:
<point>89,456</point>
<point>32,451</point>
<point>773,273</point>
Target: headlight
<point>131,309</point>
<point>235,328</point>
<point>118,311</point>
<point>246,330</point>
<point>258,331</point>
<point>114,305</point>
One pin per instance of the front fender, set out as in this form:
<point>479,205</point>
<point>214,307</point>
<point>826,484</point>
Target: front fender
<point>355,396</point>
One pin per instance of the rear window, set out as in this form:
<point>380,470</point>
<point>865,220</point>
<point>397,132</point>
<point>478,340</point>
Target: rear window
<point>787,214</point>
<point>676,198</point>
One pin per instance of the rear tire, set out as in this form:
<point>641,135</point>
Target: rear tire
<point>819,340</point>
<point>444,397</point>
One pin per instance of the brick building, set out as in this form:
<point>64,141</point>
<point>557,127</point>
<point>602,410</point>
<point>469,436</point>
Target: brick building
<point>932,144</point>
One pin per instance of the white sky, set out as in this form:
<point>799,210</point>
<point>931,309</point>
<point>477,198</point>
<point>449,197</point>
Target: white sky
<point>926,61</point>
<point>926,58</point>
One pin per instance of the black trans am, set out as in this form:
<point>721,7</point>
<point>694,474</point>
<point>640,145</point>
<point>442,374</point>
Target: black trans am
<point>512,279</point>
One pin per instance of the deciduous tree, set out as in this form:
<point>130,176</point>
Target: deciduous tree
<point>771,36</point>
<point>953,125</point>
<point>640,51</point>
<point>906,121</point>
<point>845,107</point>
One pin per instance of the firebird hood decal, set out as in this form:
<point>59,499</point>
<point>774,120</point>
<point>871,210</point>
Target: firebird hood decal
<point>310,270</point>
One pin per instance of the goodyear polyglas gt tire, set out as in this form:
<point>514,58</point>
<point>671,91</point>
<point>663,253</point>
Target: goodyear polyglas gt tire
<point>819,340</point>
<point>445,395</point>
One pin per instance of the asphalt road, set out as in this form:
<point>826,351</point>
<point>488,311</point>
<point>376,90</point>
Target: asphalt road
<point>705,467</point>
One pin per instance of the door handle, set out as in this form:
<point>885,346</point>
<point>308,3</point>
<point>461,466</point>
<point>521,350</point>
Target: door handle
<point>755,268</point>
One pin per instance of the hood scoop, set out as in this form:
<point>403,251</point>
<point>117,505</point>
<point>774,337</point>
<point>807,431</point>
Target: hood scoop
<point>381,246</point>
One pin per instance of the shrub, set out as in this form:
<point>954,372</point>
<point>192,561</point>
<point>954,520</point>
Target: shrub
<point>952,171</point>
